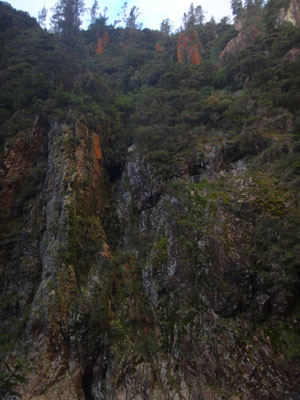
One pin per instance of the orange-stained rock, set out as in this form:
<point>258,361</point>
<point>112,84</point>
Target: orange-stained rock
<point>106,38</point>
<point>195,55</point>
<point>102,43</point>
<point>97,147</point>
<point>100,47</point>
<point>159,48</point>
<point>105,253</point>
<point>189,48</point>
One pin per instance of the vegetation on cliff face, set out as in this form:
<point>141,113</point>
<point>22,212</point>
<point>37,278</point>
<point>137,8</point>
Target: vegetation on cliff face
<point>149,194</point>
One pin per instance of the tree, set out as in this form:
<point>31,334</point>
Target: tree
<point>224,21</point>
<point>131,19</point>
<point>42,17</point>
<point>94,11</point>
<point>236,7</point>
<point>165,26</point>
<point>66,20</point>
<point>195,16</point>
<point>199,15</point>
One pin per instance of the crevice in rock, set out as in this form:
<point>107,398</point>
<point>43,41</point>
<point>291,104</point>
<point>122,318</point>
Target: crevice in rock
<point>87,380</point>
<point>114,172</point>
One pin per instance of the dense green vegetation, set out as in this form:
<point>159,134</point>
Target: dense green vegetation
<point>233,120</point>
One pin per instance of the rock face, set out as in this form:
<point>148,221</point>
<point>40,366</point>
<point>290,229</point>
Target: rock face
<point>17,161</point>
<point>291,14</point>
<point>102,43</point>
<point>176,311</point>
<point>193,287</point>
<point>160,49</point>
<point>189,48</point>
<point>248,31</point>
<point>60,227</point>
<point>246,35</point>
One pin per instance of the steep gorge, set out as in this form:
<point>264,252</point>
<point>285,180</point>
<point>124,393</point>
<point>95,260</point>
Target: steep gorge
<point>149,247</point>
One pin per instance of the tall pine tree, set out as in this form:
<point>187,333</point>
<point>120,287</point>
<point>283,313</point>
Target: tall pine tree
<point>195,16</point>
<point>66,20</point>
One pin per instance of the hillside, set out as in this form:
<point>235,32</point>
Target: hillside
<point>150,209</point>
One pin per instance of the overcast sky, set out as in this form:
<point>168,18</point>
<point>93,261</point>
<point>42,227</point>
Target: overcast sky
<point>152,11</point>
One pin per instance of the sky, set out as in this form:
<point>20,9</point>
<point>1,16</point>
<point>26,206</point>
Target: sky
<point>152,11</point>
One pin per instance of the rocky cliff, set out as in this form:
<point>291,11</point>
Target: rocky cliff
<point>43,277</point>
<point>249,24</point>
<point>179,310</point>
<point>290,14</point>
<point>150,220</point>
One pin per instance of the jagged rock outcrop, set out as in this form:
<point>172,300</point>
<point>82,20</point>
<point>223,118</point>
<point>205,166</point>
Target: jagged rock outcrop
<point>249,25</point>
<point>198,316</point>
<point>290,14</point>
<point>246,35</point>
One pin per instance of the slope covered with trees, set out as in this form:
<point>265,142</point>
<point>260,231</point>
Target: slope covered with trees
<point>149,196</point>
